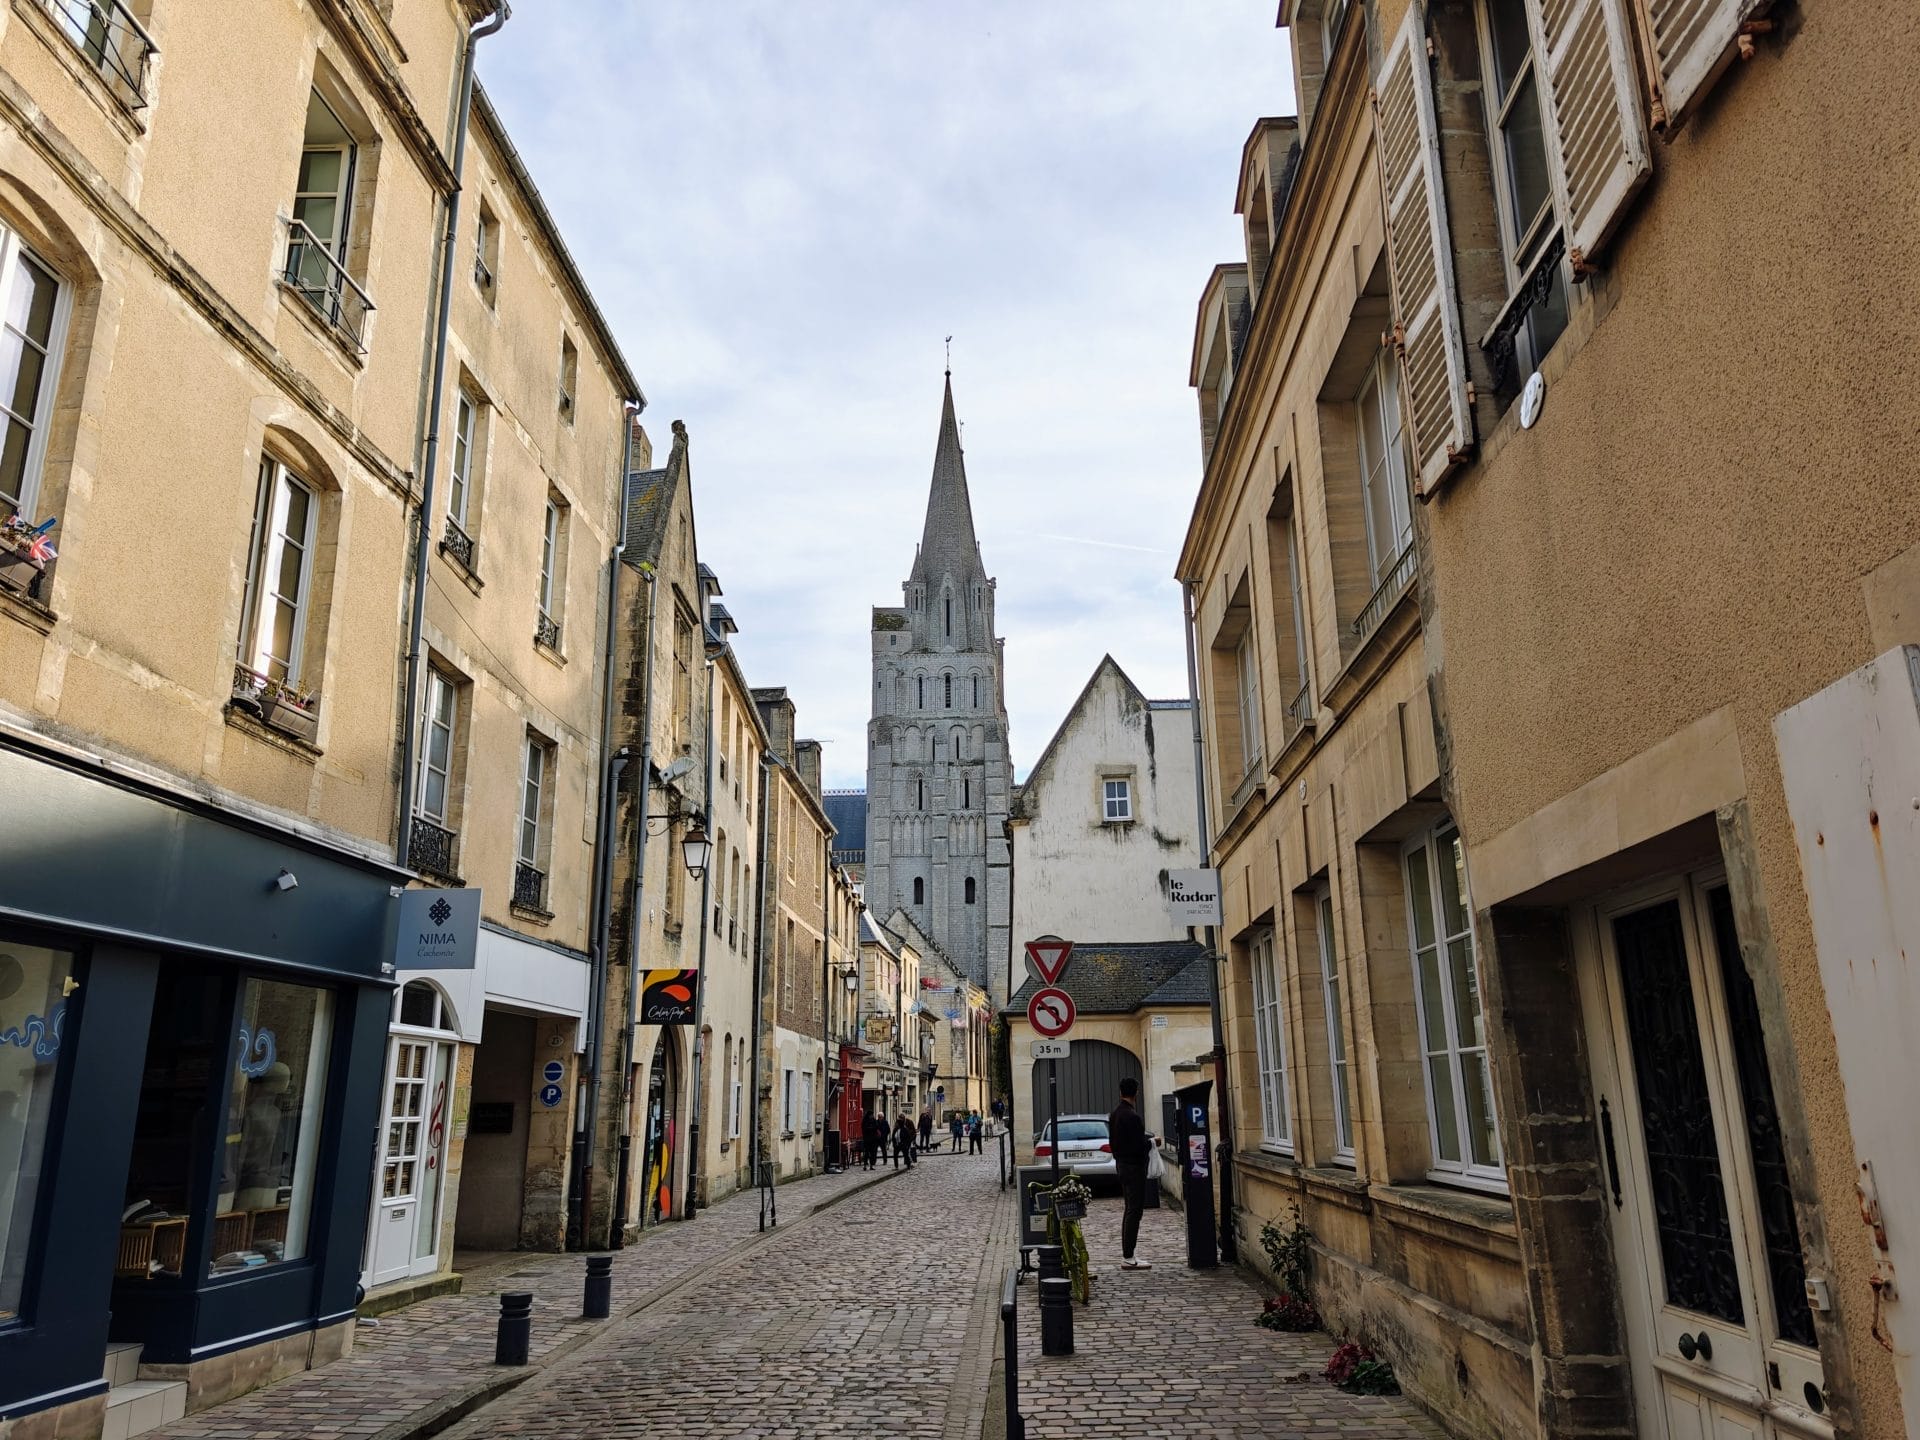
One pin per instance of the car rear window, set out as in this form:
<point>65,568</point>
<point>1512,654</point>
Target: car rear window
<point>1082,1130</point>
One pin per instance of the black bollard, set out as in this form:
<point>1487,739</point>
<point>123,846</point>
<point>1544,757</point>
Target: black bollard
<point>599,1301</point>
<point>514,1339</point>
<point>1056,1315</point>
<point>1048,1257</point>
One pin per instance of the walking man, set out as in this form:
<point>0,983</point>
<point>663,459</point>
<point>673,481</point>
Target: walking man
<point>1127,1134</point>
<point>926,1127</point>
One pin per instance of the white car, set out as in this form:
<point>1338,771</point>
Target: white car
<point>1085,1148</point>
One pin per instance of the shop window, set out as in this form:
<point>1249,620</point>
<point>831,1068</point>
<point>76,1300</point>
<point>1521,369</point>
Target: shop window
<point>33,989</point>
<point>265,1194</point>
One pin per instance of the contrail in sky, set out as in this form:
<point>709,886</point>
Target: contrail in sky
<point>1103,544</point>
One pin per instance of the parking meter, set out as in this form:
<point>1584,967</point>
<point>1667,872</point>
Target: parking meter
<point>1194,1140</point>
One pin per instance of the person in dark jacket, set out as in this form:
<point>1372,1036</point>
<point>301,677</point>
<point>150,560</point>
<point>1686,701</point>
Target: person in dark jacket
<point>903,1135</point>
<point>872,1134</point>
<point>1127,1135</point>
<point>926,1128</point>
<point>956,1129</point>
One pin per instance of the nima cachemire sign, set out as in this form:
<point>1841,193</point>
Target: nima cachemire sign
<point>437,929</point>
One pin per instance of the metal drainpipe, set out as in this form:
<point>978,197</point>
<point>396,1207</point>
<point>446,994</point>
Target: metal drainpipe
<point>757,1138</point>
<point>1229,1246</point>
<point>826,993</point>
<point>617,1237</point>
<point>423,539</point>
<point>587,1129</point>
<point>700,983</point>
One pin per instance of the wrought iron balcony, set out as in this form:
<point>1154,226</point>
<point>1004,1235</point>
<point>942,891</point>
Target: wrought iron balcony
<point>546,631</point>
<point>430,849</point>
<point>529,885</point>
<point>107,34</point>
<point>317,277</point>
<point>1256,767</point>
<point>1500,342</point>
<point>286,707</point>
<point>456,542</point>
<point>1399,578</point>
<point>1300,708</point>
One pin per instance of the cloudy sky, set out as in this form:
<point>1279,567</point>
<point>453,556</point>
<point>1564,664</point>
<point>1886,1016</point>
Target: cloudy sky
<point>785,208</point>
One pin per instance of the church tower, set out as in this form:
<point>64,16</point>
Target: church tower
<point>938,775</point>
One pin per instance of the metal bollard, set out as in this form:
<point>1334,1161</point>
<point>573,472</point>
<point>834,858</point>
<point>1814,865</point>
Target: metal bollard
<point>514,1339</point>
<point>1048,1257</point>
<point>1010,1352</point>
<point>1056,1315</point>
<point>599,1298</point>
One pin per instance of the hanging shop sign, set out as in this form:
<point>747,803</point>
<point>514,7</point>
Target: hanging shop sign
<point>667,997</point>
<point>437,929</point>
<point>1193,897</point>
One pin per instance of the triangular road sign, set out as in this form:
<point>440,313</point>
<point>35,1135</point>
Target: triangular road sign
<point>1049,955</point>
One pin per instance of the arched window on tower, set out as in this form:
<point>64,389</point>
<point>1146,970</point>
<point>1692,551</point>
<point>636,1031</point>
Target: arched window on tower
<point>920,691</point>
<point>969,889</point>
<point>919,891</point>
<point>949,605</point>
<point>976,691</point>
<point>966,797</point>
<point>948,702</point>
<point>919,792</point>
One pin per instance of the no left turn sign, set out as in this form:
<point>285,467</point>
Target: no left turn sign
<point>1050,1012</point>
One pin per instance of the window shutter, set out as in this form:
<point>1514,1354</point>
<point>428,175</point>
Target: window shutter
<point>1426,310</point>
<point>1592,116</point>
<point>1689,43</point>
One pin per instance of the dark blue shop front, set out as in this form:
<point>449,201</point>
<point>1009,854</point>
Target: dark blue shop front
<point>193,1014</point>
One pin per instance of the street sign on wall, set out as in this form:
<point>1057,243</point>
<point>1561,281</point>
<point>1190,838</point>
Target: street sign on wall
<point>1193,897</point>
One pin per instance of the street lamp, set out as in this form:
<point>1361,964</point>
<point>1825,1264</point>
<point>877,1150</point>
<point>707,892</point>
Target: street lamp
<point>696,848</point>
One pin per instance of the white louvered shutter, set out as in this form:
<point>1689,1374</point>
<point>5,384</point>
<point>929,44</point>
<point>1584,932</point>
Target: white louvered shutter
<point>1426,310</point>
<point>1691,42</point>
<point>1582,49</point>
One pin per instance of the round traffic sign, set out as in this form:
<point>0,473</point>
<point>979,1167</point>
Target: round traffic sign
<point>554,1072</point>
<point>1050,1012</point>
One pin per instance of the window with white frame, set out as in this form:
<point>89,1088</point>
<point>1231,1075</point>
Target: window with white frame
<point>733,1124</point>
<point>1453,1039</point>
<point>436,754</point>
<point>1116,800</point>
<point>1331,990</point>
<point>1248,679</point>
<point>569,376</point>
<point>323,192</point>
<point>535,779</point>
<point>549,563</point>
<point>31,330</point>
<point>486,252</point>
<point>280,575</point>
<point>1299,609</point>
<point>460,482</point>
<point>1270,1042</point>
<point>1383,467</point>
<point>806,1103</point>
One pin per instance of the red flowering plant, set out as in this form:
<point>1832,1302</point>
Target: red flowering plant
<point>1358,1371</point>
<point>1289,1251</point>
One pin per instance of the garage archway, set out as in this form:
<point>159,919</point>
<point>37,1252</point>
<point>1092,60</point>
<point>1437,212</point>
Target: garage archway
<point>1089,1080</point>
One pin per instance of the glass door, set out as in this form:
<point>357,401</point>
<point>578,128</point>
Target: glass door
<point>1712,1280</point>
<point>412,1159</point>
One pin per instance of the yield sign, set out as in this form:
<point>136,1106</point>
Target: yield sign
<point>1050,1012</point>
<point>1049,955</point>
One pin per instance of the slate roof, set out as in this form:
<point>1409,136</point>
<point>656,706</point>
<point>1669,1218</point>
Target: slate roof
<point>1106,978</point>
<point>848,811</point>
<point>872,933</point>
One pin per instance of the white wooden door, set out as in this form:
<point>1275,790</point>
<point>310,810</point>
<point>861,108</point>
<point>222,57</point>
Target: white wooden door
<point>1713,1284</point>
<point>412,1158</point>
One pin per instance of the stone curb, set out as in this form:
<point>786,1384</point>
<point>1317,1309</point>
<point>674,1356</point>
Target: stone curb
<point>450,1409</point>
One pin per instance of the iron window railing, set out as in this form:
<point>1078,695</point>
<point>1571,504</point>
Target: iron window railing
<point>529,885</point>
<point>1300,708</point>
<point>457,543</point>
<point>314,274</point>
<point>546,631</point>
<point>430,849</point>
<point>1383,599</point>
<point>1248,782</point>
<point>108,35</point>
<point>482,276</point>
<point>1500,342</point>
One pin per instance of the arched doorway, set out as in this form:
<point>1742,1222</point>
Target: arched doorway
<point>1089,1080</point>
<point>663,1096</point>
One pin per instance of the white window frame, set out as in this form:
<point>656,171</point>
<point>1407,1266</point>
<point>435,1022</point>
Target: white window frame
<point>1247,685</point>
<point>1331,990</point>
<point>460,482</point>
<point>569,375</point>
<point>733,1124</point>
<point>1302,661</point>
<point>1463,1169</point>
<point>1116,800</point>
<point>278,483</point>
<point>442,716</point>
<point>335,242</point>
<point>549,557</point>
<point>14,252</point>
<point>485,229</point>
<point>535,765</point>
<point>806,1102</point>
<point>1270,1041</point>
<point>1383,463</point>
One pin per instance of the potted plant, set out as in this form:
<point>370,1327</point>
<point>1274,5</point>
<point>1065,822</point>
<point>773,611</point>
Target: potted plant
<point>27,544</point>
<point>289,708</point>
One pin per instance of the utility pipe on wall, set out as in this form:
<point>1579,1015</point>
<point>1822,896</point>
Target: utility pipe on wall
<point>643,791</point>
<point>757,1135</point>
<point>423,539</point>
<point>700,981</point>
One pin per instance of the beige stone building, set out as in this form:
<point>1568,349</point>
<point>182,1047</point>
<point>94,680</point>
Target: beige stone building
<point>1666,533</point>
<point>1358,1082</point>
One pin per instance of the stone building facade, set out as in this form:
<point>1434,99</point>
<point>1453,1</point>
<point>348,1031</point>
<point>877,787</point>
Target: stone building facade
<point>939,775</point>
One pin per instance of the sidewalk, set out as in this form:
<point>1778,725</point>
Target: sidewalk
<point>1169,1353</point>
<point>420,1369</point>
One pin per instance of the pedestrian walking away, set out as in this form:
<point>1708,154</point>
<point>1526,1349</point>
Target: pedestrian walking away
<point>973,1134</point>
<point>1127,1135</point>
<point>956,1127</point>
<point>873,1134</point>
<point>903,1141</point>
<point>926,1127</point>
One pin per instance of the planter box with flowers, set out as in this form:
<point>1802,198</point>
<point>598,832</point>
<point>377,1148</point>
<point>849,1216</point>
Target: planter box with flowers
<point>25,553</point>
<point>287,708</point>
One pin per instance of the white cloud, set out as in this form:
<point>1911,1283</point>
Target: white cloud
<point>784,208</point>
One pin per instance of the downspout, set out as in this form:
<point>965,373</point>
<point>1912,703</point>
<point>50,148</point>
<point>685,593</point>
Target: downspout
<point>617,1238</point>
<point>588,1129</point>
<point>700,981</point>
<point>827,1062</point>
<point>1223,1148</point>
<point>756,1137</point>
<point>423,538</point>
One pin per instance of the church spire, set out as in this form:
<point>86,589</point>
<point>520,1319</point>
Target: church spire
<point>947,543</point>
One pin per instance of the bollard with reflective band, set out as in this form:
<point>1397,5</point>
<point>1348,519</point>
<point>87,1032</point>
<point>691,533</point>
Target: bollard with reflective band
<point>514,1339</point>
<point>599,1299</point>
<point>1056,1315</point>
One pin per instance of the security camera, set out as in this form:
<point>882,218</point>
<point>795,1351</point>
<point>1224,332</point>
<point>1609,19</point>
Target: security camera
<point>676,769</point>
<point>285,881</point>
